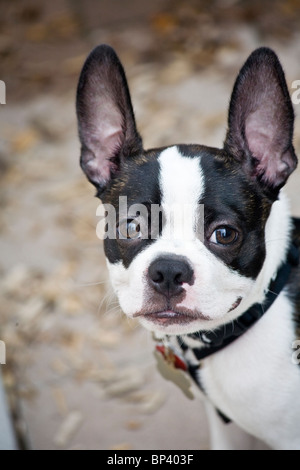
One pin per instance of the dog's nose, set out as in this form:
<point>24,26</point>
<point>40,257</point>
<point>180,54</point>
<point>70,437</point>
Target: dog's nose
<point>167,274</point>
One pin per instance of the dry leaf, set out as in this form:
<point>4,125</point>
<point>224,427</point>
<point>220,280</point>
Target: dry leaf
<point>68,428</point>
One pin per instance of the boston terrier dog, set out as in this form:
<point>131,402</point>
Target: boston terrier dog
<point>213,270</point>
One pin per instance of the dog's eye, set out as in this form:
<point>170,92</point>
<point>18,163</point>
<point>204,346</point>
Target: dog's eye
<point>129,229</point>
<point>224,236</point>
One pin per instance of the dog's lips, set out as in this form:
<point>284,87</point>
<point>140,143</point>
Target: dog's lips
<point>169,317</point>
<point>235,304</point>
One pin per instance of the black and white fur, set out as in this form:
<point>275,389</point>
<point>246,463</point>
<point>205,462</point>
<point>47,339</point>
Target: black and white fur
<point>186,284</point>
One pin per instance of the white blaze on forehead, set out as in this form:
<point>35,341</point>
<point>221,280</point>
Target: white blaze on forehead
<point>182,185</point>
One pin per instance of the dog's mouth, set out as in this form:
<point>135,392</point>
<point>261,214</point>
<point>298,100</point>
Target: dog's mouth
<point>170,317</point>
<point>236,304</point>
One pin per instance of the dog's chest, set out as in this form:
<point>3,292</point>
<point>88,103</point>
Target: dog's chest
<point>254,381</point>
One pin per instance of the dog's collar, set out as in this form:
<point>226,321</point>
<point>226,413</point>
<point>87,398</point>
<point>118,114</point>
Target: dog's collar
<point>221,337</point>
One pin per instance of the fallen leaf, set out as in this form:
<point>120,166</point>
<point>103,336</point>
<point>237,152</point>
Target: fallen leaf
<point>68,428</point>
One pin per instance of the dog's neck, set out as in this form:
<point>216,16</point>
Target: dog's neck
<point>278,237</point>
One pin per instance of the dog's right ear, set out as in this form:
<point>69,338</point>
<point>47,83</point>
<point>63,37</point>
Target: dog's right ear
<point>106,122</point>
<point>261,122</point>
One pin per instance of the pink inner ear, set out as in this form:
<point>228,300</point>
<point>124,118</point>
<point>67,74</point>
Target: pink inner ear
<point>258,143</point>
<point>262,140</point>
<point>261,120</point>
<point>104,137</point>
<point>107,129</point>
<point>96,173</point>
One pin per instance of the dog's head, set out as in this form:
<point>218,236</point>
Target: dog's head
<point>198,232</point>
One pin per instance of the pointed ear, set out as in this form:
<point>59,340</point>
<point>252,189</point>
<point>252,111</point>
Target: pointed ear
<point>106,122</point>
<point>261,121</point>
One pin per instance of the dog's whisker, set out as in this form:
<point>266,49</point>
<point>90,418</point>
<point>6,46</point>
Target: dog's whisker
<point>111,305</point>
<point>107,300</point>
<point>271,292</point>
<point>89,284</point>
<point>272,240</point>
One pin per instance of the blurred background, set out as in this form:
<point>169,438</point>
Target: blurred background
<point>78,375</point>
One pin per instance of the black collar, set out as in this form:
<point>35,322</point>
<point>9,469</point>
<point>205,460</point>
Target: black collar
<point>217,339</point>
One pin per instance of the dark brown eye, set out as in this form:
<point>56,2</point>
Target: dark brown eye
<point>224,236</point>
<point>129,229</point>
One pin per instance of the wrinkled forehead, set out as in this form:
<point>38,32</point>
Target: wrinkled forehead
<point>161,175</point>
<point>196,175</point>
<point>185,174</point>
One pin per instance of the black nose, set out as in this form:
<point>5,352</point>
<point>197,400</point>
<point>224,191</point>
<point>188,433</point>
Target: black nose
<point>167,274</point>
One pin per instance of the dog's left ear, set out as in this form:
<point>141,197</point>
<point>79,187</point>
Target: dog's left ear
<point>106,121</point>
<point>261,121</point>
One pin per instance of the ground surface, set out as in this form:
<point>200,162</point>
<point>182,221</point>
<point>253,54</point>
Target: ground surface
<point>78,374</point>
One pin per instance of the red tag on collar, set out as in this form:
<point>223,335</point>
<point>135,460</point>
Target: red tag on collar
<point>171,357</point>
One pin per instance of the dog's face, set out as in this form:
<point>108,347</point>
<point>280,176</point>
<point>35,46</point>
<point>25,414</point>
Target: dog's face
<point>188,251</point>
